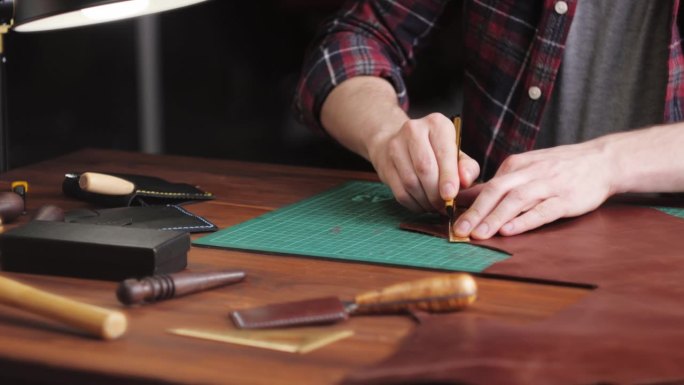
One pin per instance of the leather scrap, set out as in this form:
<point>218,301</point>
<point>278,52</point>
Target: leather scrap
<point>626,331</point>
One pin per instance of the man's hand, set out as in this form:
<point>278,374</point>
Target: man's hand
<point>416,158</point>
<point>419,163</point>
<point>538,187</point>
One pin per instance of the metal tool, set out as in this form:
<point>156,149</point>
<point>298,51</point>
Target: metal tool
<point>450,205</point>
<point>105,184</point>
<point>438,294</point>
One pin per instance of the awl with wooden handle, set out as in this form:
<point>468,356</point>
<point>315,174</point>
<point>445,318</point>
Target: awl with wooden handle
<point>439,294</point>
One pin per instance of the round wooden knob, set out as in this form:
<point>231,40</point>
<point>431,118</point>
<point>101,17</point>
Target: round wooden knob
<point>11,206</point>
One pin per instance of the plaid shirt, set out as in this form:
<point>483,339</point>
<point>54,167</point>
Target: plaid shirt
<point>513,51</point>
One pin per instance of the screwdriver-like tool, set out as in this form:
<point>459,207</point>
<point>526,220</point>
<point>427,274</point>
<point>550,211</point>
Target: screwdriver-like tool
<point>450,205</point>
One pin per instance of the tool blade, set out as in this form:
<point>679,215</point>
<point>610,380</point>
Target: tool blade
<point>308,312</point>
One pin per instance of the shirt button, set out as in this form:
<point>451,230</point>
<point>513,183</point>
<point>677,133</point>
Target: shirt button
<point>561,7</point>
<point>534,92</point>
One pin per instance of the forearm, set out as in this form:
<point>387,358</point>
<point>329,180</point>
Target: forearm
<point>416,158</point>
<point>362,111</point>
<point>648,160</point>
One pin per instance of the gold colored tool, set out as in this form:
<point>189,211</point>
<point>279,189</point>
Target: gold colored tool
<point>450,205</point>
<point>300,340</point>
<point>439,294</point>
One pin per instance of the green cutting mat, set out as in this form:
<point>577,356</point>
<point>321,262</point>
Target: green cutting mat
<point>674,211</point>
<point>357,221</point>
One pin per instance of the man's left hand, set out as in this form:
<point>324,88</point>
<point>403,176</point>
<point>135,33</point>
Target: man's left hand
<point>538,187</point>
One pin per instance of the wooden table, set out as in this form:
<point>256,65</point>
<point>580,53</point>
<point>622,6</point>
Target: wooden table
<point>36,350</point>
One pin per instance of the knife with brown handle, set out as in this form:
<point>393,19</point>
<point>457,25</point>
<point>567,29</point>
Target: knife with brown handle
<point>439,294</point>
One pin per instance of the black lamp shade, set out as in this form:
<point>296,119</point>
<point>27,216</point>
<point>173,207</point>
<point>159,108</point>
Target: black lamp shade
<point>44,15</point>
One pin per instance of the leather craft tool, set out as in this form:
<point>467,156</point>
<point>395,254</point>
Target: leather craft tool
<point>11,206</point>
<point>160,287</point>
<point>94,182</point>
<point>21,187</point>
<point>300,340</point>
<point>437,294</point>
<point>450,205</point>
<point>94,320</point>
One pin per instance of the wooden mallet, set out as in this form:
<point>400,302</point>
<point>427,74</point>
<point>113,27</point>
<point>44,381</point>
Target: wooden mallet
<point>93,320</point>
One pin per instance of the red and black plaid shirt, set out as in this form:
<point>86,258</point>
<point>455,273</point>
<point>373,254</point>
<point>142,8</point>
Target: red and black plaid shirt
<point>510,48</point>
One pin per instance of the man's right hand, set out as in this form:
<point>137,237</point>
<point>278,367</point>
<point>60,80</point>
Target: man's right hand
<point>419,163</point>
<point>416,158</point>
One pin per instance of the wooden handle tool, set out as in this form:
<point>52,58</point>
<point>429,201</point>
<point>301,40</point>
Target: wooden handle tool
<point>105,184</point>
<point>450,205</point>
<point>438,294</point>
<point>165,286</point>
<point>96,321</point>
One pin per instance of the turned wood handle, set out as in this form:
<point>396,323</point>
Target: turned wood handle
<point>105,184</point>
<point>439,294</point>
<point>11,206</point>
<point>96,321</point>
<point>160,287</point>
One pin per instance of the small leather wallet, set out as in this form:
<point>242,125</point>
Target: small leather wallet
<point>138,190</point>
<point>168,217</point>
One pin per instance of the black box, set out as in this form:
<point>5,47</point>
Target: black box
<point>92,251</point>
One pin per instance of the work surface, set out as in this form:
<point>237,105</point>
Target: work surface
<point>39,351</point>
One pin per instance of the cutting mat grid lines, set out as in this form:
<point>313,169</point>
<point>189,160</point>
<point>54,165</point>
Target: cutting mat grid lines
<point>358,221</point>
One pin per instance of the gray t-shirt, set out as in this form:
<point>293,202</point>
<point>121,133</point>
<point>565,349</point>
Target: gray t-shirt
<point>613,76</point>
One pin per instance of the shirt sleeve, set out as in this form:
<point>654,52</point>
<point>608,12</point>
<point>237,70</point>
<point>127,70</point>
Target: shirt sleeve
<point>369,37</point>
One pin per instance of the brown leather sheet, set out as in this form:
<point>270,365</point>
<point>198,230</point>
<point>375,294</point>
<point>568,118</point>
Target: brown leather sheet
<point>629,330</point>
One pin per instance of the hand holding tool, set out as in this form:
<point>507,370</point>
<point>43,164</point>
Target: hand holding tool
<point>96,321</point>
<point>160,287</point>
<point>21,188</point>
<point>438,294</point>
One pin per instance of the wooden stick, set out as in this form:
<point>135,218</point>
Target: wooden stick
<point>105,184</point>
<point>96,321</point>
<point>451,205</point>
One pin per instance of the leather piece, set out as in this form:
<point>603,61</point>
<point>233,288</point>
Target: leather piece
<point>92,251</point>
<point>149,190</point>
<point>167,217</point>
<point>438,226</point>
<point>628,330</point>
<point>306,312</point>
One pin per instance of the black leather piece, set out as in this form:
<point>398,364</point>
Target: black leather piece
<point>92,251</point>
<point>167,217</point>
<point>149,190</point>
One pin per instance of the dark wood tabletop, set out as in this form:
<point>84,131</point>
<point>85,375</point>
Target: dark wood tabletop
<point>37,350</point>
